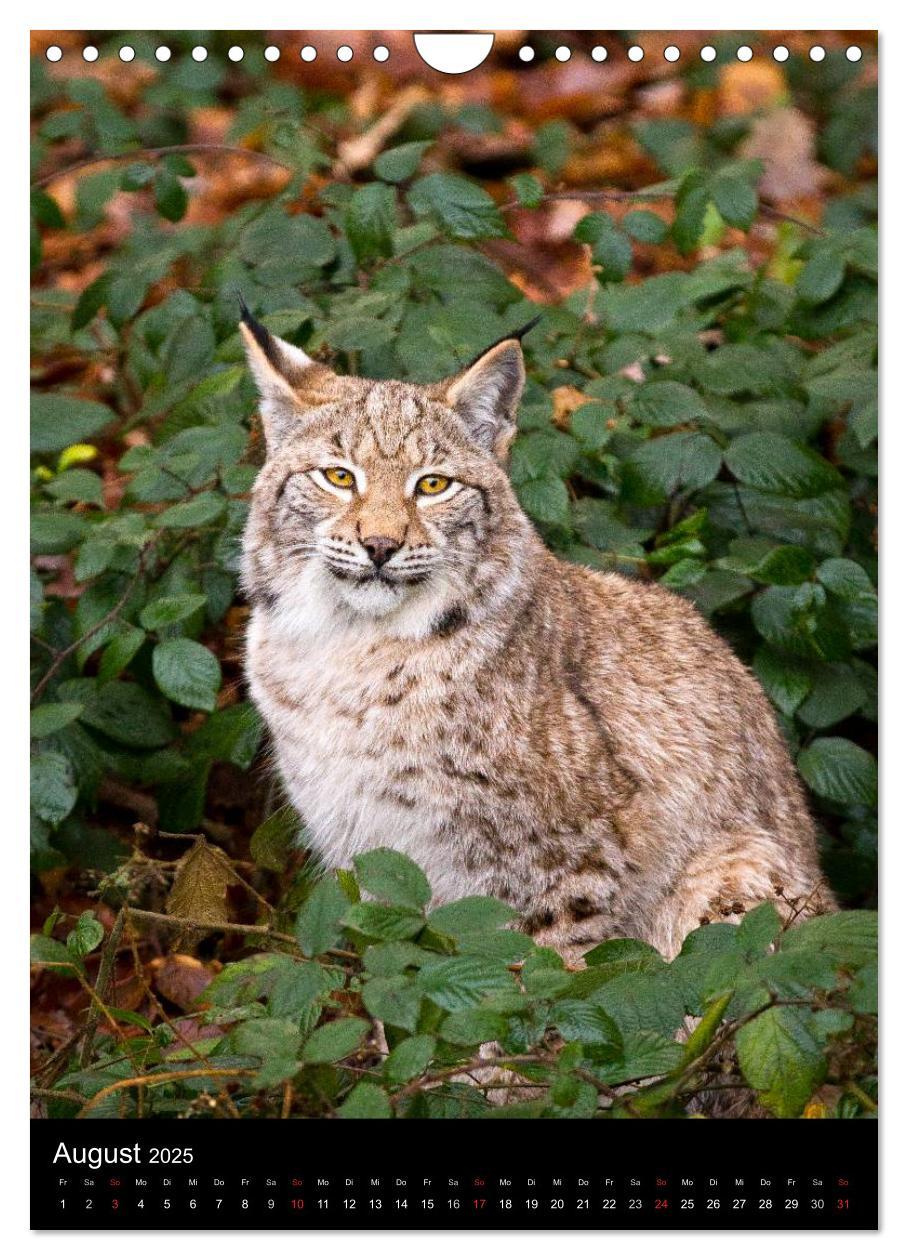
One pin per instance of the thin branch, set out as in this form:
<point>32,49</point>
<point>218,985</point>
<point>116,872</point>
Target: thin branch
<point>108,617</point>
<point>103,983</point>
<point>160,1078</point>
<point>165,151</point>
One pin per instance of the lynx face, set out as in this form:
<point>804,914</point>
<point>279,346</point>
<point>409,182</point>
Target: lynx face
<point>376,495</point>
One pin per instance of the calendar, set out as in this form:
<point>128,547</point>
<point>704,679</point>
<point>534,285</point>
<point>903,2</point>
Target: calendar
<point>453,620</point>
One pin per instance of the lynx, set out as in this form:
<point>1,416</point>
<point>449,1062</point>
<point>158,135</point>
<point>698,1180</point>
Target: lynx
<point>574,742</point>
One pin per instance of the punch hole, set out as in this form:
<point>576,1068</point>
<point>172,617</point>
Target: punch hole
<point>54,53</point>
<point>127,53</point>
<point>672,53</point>
<point>308,53</point>
<point>817,53</point>
<point>708,53</point>
<point>599,53</point>
<point>781,53</point>
<point>853,53</point>
<point>163,53</point>
<point>199,53</point>
<point>562,53</point>
<point>745,53</point>
<point>381,53</point>
<point>90,53</point>
<point>526,53</point>
<point>235,53</point>
<point>272,53</point>
<point>345,53</point>
<point>635,53</point>
<point>453,54</point>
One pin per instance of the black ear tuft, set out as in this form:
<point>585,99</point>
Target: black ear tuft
<point>517,335</point>
<point>261,334</point>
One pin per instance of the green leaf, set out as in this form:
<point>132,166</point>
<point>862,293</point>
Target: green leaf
<point>335,1041</point>
<point>119,652</point>
<point>545,499</point>
<point>202,510</point>
<point>383,923</point>
<point>456,984</point>
<point>645,226</point>
<point>53,787</point>
<point>400,163</point>
<point>77,485</point>
<point>130,715</point>
<point>365,1102</point>
<point>393,999</point>
<point>787,682</point>
<point>458,205</point>
<point>666,403</point>
<point>318,923</point>
<point>758,929</point>
<point>272,843</point>
<point>59,420</point>
<point>187,672</point>
<point>170,197</point>
<point>470,915</point>
<point>781,1058</point>
<point>840,771</point>
<point>679,461</point>
<point>821,277</point>
<point>528,190</point>
<point>85,936</point>
<point>768,461</point>
<point>735,200</point>
<point>611,249</point>
<point>409,1058</point>
<point>392,877</point>
<point>473,1027</point>
<point>46,719</point>
<point>170,609</point>
<point>836,693</point>
<point>369,221</point>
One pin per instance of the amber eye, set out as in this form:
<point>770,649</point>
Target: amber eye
<point>341,477</point>
<point>433,484</point>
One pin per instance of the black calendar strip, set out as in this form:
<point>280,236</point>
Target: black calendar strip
<point>454,1175</point>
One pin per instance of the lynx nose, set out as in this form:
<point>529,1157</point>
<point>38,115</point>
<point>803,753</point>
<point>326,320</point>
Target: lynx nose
<point>380,549</point>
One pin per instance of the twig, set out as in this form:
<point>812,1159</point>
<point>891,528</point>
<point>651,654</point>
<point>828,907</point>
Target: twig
<point>102,984</point>
<point>614,194</point>
<point>165,151</point>
<point>244,929</point>
<point>108,617</point>
<point>160,1078</point>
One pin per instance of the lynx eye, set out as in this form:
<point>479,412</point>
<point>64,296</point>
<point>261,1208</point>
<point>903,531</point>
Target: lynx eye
<point>341,477</point>
<point>432,484</point>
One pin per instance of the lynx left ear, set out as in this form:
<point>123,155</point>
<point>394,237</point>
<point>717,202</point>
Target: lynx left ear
<point>486,395</point>
<point>289,382</point>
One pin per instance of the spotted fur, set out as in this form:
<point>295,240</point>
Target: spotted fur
<point>581,745</point>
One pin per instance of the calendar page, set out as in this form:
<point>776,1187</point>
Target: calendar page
<point>453,624</point>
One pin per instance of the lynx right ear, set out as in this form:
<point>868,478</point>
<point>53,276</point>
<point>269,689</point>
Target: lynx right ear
<point>289,382</point>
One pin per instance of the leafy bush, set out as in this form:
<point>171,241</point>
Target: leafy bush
<point>379,1008</point>
<point>701,412</point>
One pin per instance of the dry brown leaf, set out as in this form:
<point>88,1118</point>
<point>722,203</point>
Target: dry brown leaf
<point>565,401</point>
<point>181,979</point>
<point>199,890</point>
<point>745,86</point>
<point>783,140</point>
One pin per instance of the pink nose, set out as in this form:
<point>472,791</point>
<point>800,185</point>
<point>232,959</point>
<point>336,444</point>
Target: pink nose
<point>380,549</point>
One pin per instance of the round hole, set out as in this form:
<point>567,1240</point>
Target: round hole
<point>127,53</point>
<point>308,53</point>
<point>90,53</point>
<point>599,53</point>
<point>381,53</point>
<point>672,53</point>
<point>781,53</point>
<point>526,53</point>
<point>162,53</point>
<point>54,53</point>
<point>199,53</point>
<point>272,53</point>
<point>817,53</point>
<point>344,53</point>
<point>853,53</point>
<point>635,52</point>
<point>745,53</point>
<point>235,53</point>
<point>707,53</point>
<point>563,53</point>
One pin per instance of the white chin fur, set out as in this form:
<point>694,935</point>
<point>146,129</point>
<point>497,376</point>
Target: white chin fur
<point>370,599</point>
